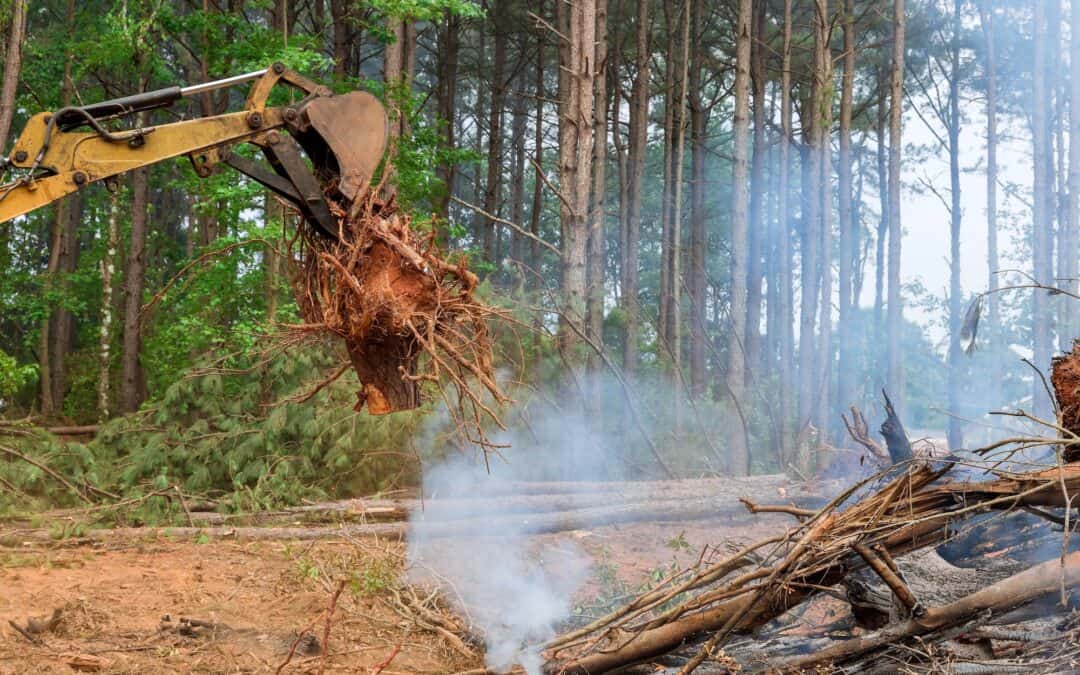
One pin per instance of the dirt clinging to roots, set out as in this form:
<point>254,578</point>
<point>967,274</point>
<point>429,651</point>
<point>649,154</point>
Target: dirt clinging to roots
<point>406,312</point>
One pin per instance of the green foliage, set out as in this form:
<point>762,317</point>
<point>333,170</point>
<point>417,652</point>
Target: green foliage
<point>14,377</point>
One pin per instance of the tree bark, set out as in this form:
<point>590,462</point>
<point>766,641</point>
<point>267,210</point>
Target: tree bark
<point>894,317</point>
<point>986,18</point>
<point>575,157</point>
<point>956,364</point>
<point>493,184</point>
<point>1069,241</point>
<point>446,92</point>
<point>699,240</point>
<point>596,254</point>
<point>825,325</point>
<point>1042,222</point>
<point>132,387</point>
<point>786,280</point>
<point>639,127</point>
<point>12,68</point>
<point>339,16</point>
<point>845,384</point>
<point>736,375</point>
<point>758,191</point>
<point>108,273</point>
<point>882,237</point>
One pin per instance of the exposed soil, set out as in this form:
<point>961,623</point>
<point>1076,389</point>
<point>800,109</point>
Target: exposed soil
<point>259,596</point>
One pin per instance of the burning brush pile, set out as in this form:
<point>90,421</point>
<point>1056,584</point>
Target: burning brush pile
<point>407,314</point>
<point>965,564</point>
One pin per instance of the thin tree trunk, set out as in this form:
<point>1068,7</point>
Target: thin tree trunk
<point>811,252</point>
<point>698,233</point>
<point>538,185</point>
<point>449,48</point>
<point>786,283</point>
<point>894,317</point>
<point>825,351</point>
<point>986,17</point>
<point>956,365</point>
<point>639,123</point>
<point>131,384</point>
<point>108,272</point>
<point>58,324</point>
<point>594,273</point>
<point>845,386</point>
<point>12,68</point>
<point>758,191</point>
<point>1042,222</point>
<point>493,184</point>
<point>883,222</point>
<point>675,277</point>
<point>672,127</point>
<point>736,375</point>
<point>518,128</point>
<point>1069,240</point>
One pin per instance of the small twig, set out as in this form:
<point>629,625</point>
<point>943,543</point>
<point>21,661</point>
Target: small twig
<point>379,667</point>
<point>23,632</point>
<point>329,621</point>
<point>514,226</point>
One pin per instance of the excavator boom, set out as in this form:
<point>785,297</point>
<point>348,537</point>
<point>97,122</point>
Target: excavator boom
<point>343,136</point>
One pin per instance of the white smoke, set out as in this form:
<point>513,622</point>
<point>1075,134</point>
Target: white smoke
<point>517,588</point>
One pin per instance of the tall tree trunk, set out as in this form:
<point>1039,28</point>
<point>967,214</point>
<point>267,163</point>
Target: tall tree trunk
<point>786,283</point>
<point>736,375</point>
<point>956,365</point>
<point>536,209</point>
<point>518,128</point>
<point>58,326</point>
<point>108,273</point>
<point>132,387</point>
<point>699,241</point>
<point>339,16</point>
<point>639,127</point>
<point>811,239</point>
<point>446,92</point>
<point>894,318</point>
<point>1069,239</point>
<point>1042,222</point>
<point>596,254</point>
<point>672,130</point>
<point>824,355</point>
<point>675,277</point>
<point>12,69</point>
<point>883,221</point>
<point>758,191</point>
<point>575,157</point>
<point>845,384</point>
<point>986,17</point>
<point>493,184</point>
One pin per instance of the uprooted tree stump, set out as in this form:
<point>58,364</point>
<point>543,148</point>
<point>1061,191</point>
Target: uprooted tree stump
<point>407,314</point>
<point>1065,378</point>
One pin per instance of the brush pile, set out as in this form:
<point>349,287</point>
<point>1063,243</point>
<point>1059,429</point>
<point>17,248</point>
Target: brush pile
<point>871,547</point>
<point>407,314</point>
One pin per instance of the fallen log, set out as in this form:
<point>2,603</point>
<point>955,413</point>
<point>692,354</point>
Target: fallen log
<point>1014,591</point>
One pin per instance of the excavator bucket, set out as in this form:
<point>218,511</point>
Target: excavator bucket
<point>345,137</point>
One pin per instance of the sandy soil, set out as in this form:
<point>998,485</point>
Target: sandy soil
<point>114,599</point>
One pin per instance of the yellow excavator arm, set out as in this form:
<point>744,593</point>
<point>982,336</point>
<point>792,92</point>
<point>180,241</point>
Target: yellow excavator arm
<point>344,136</point>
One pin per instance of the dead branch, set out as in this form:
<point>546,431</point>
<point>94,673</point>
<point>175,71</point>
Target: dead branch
<point>1014,591</point>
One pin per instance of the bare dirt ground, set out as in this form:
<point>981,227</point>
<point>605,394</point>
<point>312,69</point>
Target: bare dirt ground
<point>125,603</point>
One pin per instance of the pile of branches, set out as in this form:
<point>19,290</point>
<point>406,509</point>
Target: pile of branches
<point>913,505</point>
<point>408,315</point>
